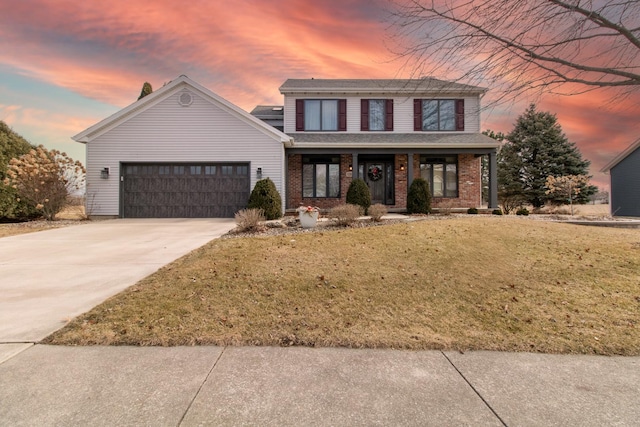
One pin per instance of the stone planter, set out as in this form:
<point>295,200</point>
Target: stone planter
<point>308,219</point>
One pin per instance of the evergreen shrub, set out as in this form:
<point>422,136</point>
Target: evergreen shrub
<point>359,194</point>
<point>419,198</point>
<point>265,196</point>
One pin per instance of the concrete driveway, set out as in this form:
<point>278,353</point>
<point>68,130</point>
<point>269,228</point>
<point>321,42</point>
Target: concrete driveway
<point>49,277</point>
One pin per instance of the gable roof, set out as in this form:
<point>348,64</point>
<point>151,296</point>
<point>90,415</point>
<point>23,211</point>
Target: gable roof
<point>166,91</point>
<point>620,157</point>
<point>403,86</point>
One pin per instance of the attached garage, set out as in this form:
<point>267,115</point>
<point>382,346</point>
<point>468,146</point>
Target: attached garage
<point>180,152</point>
<point>207,190</point>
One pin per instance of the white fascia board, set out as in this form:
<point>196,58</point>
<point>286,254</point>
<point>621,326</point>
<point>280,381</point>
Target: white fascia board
<point>387,146</point>
<point>620,157</point>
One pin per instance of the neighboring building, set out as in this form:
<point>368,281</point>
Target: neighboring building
<point>625,182</point>
<point>181,151</point>
<point>387,132</point>
<point>270,114</point>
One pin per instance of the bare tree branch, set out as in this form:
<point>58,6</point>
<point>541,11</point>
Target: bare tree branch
<point>566,47</point>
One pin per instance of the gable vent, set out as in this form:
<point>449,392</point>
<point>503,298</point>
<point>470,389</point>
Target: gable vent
<point>185,99</point>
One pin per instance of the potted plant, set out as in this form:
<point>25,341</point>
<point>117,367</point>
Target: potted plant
<point>308,216</point>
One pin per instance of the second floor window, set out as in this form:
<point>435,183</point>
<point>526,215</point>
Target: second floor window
<point>438,114</point>
<point>376,115</point>
<point>321,115</point>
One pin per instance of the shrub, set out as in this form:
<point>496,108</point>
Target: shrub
<point>45,179</point>
<point>445,207</point>
<point>345,214</point>
<point>359,194</point>
<point>418,197</point>
<point>249,219</point>
<point>472,211</point>
<point>265,196</point>
<point>377,211</point>
<point>522,211</point>
<point>497,212</point>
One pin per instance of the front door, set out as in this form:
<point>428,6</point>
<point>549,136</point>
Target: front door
<point>379,178</point>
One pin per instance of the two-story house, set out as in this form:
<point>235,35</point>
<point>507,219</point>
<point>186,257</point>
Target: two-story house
<point>184,151</point>
<point>386,132</point>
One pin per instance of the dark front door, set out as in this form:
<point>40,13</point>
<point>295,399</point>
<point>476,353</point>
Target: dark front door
<point>379,178</point>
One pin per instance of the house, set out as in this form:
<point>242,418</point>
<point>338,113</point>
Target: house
<point>181,151</point>
<point>184,151</point>
<point>386,132</point>
<point>624,171</point>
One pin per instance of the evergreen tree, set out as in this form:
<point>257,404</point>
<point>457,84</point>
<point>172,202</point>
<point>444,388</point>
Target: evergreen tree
<point>537,148</point>
<point>146,90</point>
<point>12,145</point>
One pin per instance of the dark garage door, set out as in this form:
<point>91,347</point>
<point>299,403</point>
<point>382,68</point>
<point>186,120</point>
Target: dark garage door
<point>211,190</point>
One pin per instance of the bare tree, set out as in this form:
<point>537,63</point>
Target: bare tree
<point>566,47</point>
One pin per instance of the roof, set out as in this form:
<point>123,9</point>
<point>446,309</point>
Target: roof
<point>620,157</point>
<point>392,140</point>
<point>164,92</point>
<point>405,86</point>
<point>268,112</point>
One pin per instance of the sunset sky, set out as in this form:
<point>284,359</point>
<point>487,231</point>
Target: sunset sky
<point>67,64</point>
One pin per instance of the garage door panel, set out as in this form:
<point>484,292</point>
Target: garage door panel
<point>184,190</point>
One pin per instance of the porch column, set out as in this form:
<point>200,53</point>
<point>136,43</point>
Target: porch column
<point>493,180</point>
<point>354,165</point>
<point>409,169</point>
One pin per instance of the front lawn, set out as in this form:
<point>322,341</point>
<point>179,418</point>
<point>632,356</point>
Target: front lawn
<point>491,283</point>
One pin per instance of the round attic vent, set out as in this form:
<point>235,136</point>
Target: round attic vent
<point>185,99</point>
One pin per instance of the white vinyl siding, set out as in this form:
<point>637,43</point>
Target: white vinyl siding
<point>402,111</point>
<point>168,132</point>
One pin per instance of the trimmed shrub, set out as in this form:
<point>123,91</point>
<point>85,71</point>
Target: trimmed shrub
<point>496,212</point>
<point>522,211</point>
<point>377,211</point>
<point>472,211</point>
<point>265,196</point>
<point>359,194</point>
<point>249,219</point>
<point>419,197</point>
<point>345,215</point>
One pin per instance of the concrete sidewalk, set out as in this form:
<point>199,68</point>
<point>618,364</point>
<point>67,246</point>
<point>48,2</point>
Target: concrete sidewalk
<point>189,386</point>
<point>49,277</point>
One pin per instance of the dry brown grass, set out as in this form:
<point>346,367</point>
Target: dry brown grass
<point>68,216</point>
<point>487,283</point>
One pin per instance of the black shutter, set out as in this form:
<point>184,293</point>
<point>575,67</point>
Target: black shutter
<point>417,114</point>
<point>299,114</point>
<point>342,114</point>
<point>459,114</point>
<point>364,114</point>
<point>388,123</point>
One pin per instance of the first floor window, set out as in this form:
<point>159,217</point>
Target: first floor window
<point>442,175</point>
<point>320,176</point>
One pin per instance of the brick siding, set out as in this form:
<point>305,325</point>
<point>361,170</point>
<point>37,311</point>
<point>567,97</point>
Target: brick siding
<point>469,183</point>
